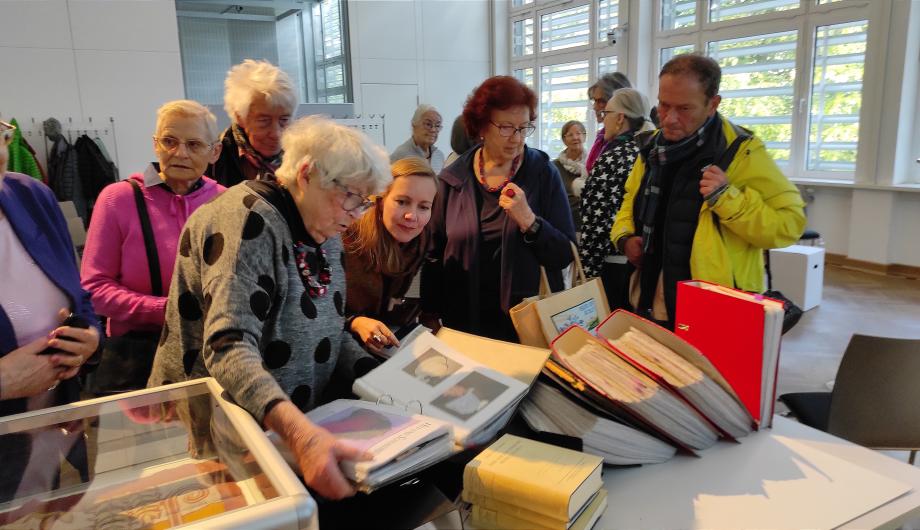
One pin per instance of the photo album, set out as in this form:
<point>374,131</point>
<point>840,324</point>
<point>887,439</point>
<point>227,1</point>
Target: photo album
<point>426,376</point>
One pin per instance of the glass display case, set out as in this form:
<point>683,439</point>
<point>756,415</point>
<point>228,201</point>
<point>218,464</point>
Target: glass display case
<point>173,456</point>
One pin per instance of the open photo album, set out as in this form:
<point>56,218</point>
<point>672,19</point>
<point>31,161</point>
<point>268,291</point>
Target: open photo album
<point>401,443</point>
<point>426,376</point>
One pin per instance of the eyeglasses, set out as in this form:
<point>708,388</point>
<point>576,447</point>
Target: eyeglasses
<point>599,101</point>
<point>508,130</point>
<point>7,131</point>
<point>196,147</point>
<point>353,202</point>
<point>432,126</point>
<point>575,134</point>
<point>604,113</point>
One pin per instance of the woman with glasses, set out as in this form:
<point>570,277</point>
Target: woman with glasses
<point>115,269</point>
<point>385,250</point>
<point>258,296</point>
<point>626,114</point>
<point>48,330</point>
<point>500,214</point>
<point>426,125</point>
<point>260,99</point>
<point>571,165</point>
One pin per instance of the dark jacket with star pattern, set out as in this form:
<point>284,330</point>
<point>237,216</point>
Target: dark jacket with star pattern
<point>601,199</point>
<point>239,311</point>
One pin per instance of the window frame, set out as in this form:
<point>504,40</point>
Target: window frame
<point>591,52</point>
<point>805,20</point>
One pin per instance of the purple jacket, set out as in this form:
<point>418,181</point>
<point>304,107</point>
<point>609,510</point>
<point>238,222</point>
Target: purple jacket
<point>35,216</point>
<point>454,230</point>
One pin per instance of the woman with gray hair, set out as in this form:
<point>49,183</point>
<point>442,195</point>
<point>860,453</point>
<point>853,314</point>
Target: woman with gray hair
<point>600,93</point>
<point>127,279</point>
<point>426,124</point>
<point>258,294</point>
<point>260,99</point>
<point>571,166</point>
<point>625,116</point>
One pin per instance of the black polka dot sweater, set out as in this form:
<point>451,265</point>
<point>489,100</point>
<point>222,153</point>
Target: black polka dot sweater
<point>239,311</point>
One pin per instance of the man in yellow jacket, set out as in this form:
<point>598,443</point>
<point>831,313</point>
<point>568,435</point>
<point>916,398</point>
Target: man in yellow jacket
<point>684,217</point>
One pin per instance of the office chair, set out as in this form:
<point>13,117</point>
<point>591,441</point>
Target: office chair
<point>875,396</point>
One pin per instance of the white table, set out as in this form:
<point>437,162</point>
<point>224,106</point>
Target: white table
<point>664,495</point>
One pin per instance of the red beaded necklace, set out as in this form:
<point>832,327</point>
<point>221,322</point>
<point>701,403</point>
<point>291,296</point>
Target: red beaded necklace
<point>482,173</point>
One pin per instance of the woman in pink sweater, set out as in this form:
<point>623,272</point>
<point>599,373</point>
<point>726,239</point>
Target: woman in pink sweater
<point>115,268</point>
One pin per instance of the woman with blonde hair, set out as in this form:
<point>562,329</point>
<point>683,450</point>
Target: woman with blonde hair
<point>384,251</point>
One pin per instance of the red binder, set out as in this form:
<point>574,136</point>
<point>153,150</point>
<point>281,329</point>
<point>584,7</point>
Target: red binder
<point>732,331</point>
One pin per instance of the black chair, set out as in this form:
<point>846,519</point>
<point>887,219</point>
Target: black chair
<point>875,398</point>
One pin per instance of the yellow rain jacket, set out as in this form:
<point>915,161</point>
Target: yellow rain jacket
<point>761,209</point>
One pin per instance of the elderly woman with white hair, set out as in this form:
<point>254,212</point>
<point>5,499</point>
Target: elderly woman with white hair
<point>625,116</point>
<point>128,271</point>
<point>258,293</point>
<point>426,125</point>
<point>260,99</point>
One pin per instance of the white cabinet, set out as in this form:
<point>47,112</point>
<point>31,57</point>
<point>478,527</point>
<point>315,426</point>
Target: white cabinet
<point>798,271</point>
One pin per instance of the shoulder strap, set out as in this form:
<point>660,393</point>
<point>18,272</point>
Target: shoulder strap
<point>153,259</point>
<point>722,162</point>
<point>725,159</point>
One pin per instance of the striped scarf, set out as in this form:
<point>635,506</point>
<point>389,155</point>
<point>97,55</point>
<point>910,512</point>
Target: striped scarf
<point>660,153</point>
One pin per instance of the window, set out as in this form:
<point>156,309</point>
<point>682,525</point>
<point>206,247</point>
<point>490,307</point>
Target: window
<point>677,14</point>
<point>792,72</point>
<point>310,44</point>
<point>836,96</point>
<point>559,48</point>
<point>734,9</point>
<point>564,29</point>
<point>522,43</point>
<point>330,58</point>
<point>757,87</point>
<point>524,75</point>
<point>562,98</point>
<point>606,64</point>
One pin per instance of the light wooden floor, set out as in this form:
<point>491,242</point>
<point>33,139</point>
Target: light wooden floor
<point>853,302</point>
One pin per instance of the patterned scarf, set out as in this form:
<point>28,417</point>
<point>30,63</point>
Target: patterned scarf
<point>662,152</point>
<point>264,167</point>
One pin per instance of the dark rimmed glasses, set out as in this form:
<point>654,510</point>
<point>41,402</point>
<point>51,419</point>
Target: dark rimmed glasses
<point>170,143</point>
<point>353,202</point>
<point>508,130</point>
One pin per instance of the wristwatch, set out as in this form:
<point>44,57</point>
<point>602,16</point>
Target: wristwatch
<point>530,235</point>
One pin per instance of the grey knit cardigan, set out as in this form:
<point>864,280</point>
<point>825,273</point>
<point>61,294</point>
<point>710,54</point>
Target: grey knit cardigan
<point>239,311</point>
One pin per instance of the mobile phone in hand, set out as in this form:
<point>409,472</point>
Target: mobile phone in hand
<point>73,320</point>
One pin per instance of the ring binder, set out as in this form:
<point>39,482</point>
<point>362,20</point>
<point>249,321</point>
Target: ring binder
<point>385,396</point>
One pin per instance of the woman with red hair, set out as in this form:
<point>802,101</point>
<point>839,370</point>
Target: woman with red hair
<point>501,213</point>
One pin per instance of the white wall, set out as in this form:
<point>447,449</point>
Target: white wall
<point>79,59</point>
<point>874,225</point>
<point>408,51</point>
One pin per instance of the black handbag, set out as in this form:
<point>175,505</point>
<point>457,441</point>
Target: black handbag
<point>127,359</point>
<point>791,312</point>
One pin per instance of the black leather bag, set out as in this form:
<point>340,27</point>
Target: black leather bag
<point>792,312</point>
<point>127,359</point>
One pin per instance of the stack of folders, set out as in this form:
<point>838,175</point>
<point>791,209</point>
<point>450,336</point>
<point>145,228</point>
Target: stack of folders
<point>609,373</point>
<point>548,409</point>
<point>400,443</point>
<point>522,484</point>
<point>677,366</point>
<point>739,334</point>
